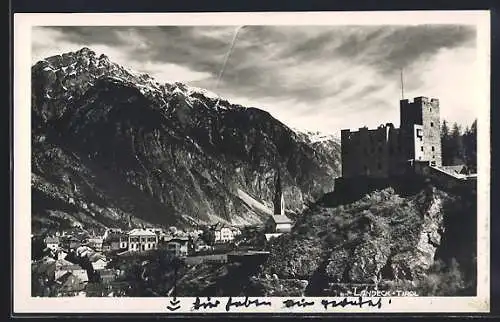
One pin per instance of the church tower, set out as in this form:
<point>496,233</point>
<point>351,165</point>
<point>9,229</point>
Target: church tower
<point>279,201</point>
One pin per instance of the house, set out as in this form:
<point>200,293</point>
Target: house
<point>155,230</point>
<point>111,231</point>
<point>74,242</point>
<point>61,254</point>
<point>45,266</point>
<point>165,237</point>
<point>115,244</point>
<point>52,242</point>
<point>123,239</point>
<point>219,233</point>
<point>201,246</point>
<point>115,241</point>
<point>84,251</point>
<point>172,230</point>
<point>107,275</point>
<point>63,266</point>
<point>226,234</point>
<point>98,261</point>
<point>236,231</point>
<point>456,169</point>
<point>95,243</point>
<point>106,245</point>
<point>142,240</point>
<point>279,224</point>
<point>69,284</point>
<point>179,246</point>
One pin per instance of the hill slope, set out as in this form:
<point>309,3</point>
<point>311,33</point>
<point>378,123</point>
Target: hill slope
<point>383,237</point>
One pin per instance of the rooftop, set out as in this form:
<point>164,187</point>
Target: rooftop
<point>52,240</point>
<point>281,219</point>
<point>141,232</point>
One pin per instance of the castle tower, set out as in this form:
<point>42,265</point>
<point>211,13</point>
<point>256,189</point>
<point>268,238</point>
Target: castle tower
<point>420,127</point>
<point>279,201</point>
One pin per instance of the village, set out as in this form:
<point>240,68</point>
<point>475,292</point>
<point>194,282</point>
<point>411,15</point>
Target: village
<point>70,260</point>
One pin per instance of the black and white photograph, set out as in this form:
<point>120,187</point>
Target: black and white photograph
<point>220,163</point>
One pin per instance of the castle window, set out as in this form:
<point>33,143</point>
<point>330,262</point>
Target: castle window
<point>433,156</point>
<point>432,148</point>
<point>432,124</point>
<point>422,148</point>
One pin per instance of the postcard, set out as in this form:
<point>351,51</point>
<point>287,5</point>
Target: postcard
<point>298,162</point>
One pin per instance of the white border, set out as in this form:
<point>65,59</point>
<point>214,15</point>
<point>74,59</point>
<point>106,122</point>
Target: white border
<point>24,303</point>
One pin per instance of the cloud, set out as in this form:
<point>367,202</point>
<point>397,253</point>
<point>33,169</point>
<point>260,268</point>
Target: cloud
<point>115,43</point>
<point>316,77</point>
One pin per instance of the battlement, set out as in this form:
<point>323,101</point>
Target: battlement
<point>419,100</point>
<point>346,132</point>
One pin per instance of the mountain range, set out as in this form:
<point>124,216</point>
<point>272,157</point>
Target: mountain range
<point>115,148</point>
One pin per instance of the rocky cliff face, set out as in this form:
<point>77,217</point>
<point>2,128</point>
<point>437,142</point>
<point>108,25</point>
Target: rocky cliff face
<point>111,146</point>
<point>381,237</point>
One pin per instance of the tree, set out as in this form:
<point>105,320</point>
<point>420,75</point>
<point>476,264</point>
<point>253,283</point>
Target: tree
<point>446,148</point>
<point>38,248</point>
<point>208,236</point>
<point>457,145</point>
<point>470,146</point>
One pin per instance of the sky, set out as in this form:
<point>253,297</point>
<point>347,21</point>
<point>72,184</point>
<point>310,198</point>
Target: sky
<point>315,78</point>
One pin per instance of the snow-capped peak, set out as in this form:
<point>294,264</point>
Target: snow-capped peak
<point>94,65</point>
<point>204,92</point>
<point>315,136</point>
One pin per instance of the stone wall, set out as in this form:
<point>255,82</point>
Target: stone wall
<point>375,153</point>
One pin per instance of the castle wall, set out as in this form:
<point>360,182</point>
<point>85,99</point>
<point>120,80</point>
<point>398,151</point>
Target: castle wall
<point>375,153</point>
<point>387,150</point>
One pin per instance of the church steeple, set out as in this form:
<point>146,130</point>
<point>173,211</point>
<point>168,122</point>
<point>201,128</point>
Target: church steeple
<point>279,201</point>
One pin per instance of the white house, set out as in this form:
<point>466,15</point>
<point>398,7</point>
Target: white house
<point>52,242</point>
<point>223,235</point>
<point>98,261</point>
<point>141,240</point>
<point>61,254</point>
<point>95,243</point>
<point>84,251</point>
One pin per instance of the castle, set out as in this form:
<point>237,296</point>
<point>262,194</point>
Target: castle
<point>387,151</point>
